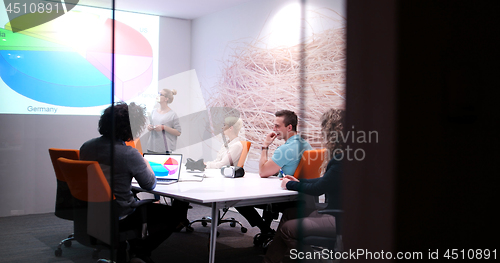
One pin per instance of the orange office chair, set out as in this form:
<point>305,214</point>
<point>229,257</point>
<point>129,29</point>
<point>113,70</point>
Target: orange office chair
<point>310,165</point>
<point>64,199</point>
<point>244,153</point>
<point>135,144</point>
<point>232,221</point>
<point>92,211</point>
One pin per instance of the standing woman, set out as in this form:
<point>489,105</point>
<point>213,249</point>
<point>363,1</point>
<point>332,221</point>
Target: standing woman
<point>164,129</point>
<point>164,124</point>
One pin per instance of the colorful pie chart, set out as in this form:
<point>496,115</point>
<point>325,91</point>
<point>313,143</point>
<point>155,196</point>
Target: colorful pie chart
<point>44,63</point>
<point>169,167</point>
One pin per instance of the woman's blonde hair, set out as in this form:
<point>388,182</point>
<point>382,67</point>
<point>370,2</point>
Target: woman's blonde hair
<point>234,122</point>
<point>170,95</point>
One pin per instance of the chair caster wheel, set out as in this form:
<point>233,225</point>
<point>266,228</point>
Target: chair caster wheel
<point>256,240</point>
<point>244,230</point>
<point>263,240</point>
<point>266,244</point>
<point>204,221</point>
<point>232,224</point>
<point>67,243</point>
<point>58,252</point>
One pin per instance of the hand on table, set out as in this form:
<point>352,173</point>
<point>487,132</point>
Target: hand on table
<point>286,179</point>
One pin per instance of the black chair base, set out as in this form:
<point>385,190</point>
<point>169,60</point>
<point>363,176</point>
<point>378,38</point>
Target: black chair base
<point>66,242</point>
<point>206,220</point>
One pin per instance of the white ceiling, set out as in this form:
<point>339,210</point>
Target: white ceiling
<point>185,9</point>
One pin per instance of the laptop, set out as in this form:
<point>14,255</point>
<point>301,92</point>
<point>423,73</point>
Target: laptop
<point>166,167</point>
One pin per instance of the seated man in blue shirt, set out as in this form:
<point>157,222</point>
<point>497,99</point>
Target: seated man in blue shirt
<point>285,158</point>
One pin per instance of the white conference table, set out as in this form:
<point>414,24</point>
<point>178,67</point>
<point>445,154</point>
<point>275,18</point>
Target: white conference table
<point>219,192</point>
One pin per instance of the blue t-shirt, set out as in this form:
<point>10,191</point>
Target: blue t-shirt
<point>288,155</point>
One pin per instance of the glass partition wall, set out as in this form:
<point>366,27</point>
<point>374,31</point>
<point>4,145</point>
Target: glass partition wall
<point>64,62</point>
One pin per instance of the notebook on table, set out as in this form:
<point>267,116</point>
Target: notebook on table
<point>166,167</point>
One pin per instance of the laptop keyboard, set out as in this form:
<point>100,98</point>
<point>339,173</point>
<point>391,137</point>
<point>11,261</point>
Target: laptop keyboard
<point>165,181</point>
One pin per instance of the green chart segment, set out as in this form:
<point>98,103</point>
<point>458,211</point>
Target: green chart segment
<point>18,41</point>
<point>51,73</point>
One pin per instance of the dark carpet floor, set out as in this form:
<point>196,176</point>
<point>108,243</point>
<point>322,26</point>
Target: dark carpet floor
<point>34,238</point>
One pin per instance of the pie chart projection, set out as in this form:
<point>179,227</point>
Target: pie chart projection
<point>133,59</point>
<point>171,165</point>
<point>166,168</point>
<point>71,65</point>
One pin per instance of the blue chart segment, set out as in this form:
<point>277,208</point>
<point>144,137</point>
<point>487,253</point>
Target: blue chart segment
<point>68,61</point>
<point>169,167</point>
<point>55,77</point>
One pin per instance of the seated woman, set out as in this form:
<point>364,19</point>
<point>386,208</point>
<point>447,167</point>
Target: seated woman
<point>128,163</point>
<point>313,224</point>
<point>232,127</point>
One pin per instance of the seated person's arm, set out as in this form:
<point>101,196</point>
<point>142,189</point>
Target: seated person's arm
<point>148,165</point>
<point>286,179</point>
<point>235,151</point>
<point>267,167</point>
<point>142,172</point>
<point>316,186</point>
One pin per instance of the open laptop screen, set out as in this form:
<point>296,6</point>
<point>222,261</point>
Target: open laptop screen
<point>166,167</point>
